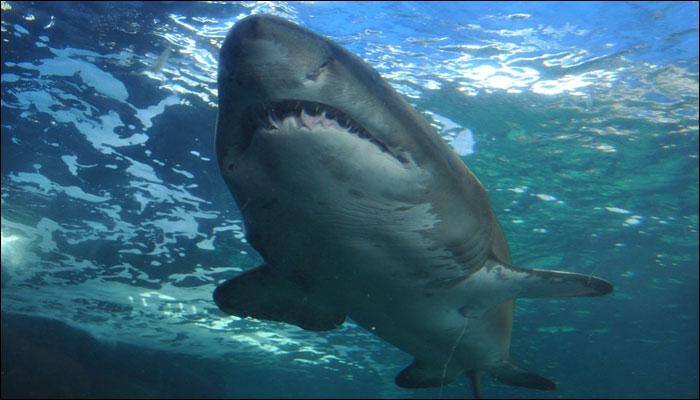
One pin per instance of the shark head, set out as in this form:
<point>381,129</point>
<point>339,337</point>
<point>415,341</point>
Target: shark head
<point>271,68</point>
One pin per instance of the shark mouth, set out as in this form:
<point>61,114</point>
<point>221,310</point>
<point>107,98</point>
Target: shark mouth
<point>311,115</point>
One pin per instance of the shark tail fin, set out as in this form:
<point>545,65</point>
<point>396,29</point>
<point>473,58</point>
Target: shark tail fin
<point>511,374</point>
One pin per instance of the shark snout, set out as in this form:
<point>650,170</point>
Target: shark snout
<point>257,26</point>
<point>271,53</point>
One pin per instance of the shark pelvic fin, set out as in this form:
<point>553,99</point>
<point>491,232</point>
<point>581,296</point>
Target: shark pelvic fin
<point>475,378</point>
<point>511,374</point>
<point>422,374</point>
<point>260,293</point>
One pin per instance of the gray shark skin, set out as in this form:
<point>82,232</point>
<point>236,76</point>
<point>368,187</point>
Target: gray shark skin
<point>359,209</point>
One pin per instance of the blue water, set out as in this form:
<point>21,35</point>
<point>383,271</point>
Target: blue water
<point>116,224</point>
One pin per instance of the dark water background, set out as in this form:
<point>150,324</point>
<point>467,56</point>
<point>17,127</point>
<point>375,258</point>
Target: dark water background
<point>116,225</point>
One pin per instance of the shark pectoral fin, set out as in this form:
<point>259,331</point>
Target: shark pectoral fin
<point>421,374</point>
<point>262,294</point>
<point>511,374</point>
<point>546,283</point>
<point>498,282</point>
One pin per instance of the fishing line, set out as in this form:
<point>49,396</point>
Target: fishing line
<point>449,358</point>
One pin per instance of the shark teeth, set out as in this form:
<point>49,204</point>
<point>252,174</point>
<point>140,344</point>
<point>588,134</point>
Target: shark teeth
<point>307,120</point>
<point>300,114</point>
<point>304,114</point>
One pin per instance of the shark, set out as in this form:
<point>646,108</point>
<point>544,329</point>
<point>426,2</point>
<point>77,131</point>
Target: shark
<point>360,210</point>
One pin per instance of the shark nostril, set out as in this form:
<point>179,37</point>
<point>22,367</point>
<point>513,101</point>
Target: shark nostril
<point>318,71</point>
<point>312,76</point>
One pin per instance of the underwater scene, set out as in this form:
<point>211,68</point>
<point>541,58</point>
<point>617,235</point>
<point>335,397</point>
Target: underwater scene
<point>121,214</point>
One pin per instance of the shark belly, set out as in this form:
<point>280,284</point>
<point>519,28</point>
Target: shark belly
<point>363,237</point>
<point>322,196</point>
